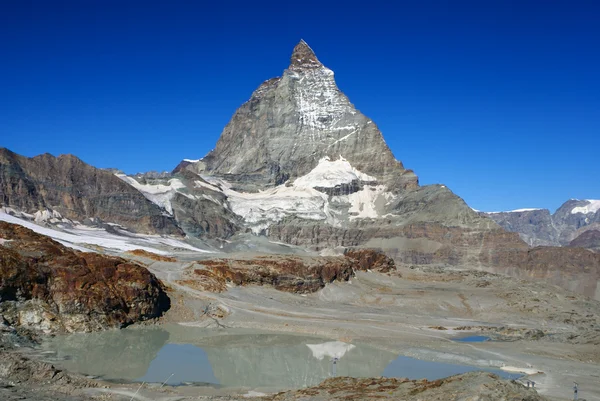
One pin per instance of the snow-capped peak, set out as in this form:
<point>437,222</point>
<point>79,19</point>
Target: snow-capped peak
<point>530,209</point>
<point>592,207</point>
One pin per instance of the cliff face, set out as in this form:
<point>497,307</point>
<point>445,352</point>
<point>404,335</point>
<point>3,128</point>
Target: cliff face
<point>293,121</point>
<point>286,273</point>
<point>77,191</point>
<point>46,286</point>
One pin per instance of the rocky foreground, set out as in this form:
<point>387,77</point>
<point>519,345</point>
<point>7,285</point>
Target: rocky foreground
<point>48,287</point>
<point>468,386</point>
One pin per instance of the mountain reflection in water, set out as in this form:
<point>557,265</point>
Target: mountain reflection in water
<point>230,359</point>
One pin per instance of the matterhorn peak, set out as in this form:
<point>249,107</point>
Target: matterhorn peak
<point>304,57</point>
<point>292,122</point>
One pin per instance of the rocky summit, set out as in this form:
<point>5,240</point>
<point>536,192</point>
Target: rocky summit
<point>293,122</point>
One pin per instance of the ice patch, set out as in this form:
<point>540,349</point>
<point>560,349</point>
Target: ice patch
<point>331,349</point>
<point>328,174</point>
<point>158,194</point>
<point>368,202</point>
<point>527,371</point>
<point>252,394</point>
<point>592,207</point>
<point>80,236</point>
<point>299,199</point>
<point>265,208</point>
<point>191,160</point>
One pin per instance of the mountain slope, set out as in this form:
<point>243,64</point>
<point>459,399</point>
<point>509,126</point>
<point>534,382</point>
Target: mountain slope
<point>77,191</point>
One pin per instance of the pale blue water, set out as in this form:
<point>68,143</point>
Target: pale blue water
<point>473,339</point>
<point>181,355</point>
<point>411,368</point>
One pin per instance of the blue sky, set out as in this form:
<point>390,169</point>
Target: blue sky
<point>499,100</point>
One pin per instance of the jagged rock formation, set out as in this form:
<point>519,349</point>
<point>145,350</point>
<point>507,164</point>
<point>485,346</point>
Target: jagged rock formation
<point>298,159</point>
<point>201,209</point>
<point>286,273</point>
<point>539,227</point>
<point>46,286</point>
<point>293,121</point>
<point>77,191</point>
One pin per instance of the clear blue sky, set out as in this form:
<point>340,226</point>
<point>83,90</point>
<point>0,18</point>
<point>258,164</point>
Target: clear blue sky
<point>499,100</point>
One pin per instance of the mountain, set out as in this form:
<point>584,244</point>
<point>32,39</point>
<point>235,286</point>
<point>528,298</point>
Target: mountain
<point>539,227</point>
<point>291,123</point>
<point>298,165</point>
<point>74,190</point>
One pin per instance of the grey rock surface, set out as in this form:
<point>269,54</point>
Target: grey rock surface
<point>77,191</point>
<point>539,227</point>
<point>293,121</point>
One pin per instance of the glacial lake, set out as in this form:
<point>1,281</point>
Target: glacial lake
<point>236,359</point>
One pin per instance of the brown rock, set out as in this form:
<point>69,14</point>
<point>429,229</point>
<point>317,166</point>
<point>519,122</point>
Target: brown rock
<point>46,286</point>
<point>287,273</point>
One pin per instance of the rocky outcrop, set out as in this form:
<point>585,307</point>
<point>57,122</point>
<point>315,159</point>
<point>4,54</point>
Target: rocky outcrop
<point>48,287</point>
<point>468,386</point>
<point>588,239</point>
<point>574,269</point>
<point>77,191</point>
<point>576,216</point>
<point>286,273</point>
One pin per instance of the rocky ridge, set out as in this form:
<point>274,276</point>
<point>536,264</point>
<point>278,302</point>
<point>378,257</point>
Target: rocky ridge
<point>285,273</point>
<point>540,227</point>
<point>77,191</point>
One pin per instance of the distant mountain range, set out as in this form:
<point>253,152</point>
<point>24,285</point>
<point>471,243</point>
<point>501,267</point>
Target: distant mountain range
<point>575,223</point>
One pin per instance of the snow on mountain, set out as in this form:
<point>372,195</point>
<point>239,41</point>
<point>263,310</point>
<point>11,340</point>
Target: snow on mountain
<point>158,194</point>
<point>368,202</point>
<point>331,349</point>
<point>517,210</point>
<point>300,199</point>
<point>329,174</point>
<point>592,207</point>
<point>81,237</point>
<point>51,216</point>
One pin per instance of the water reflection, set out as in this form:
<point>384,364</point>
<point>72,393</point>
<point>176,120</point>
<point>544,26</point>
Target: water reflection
<point>114,354</point>
<point>182,354</point>
<point>411,368</point>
